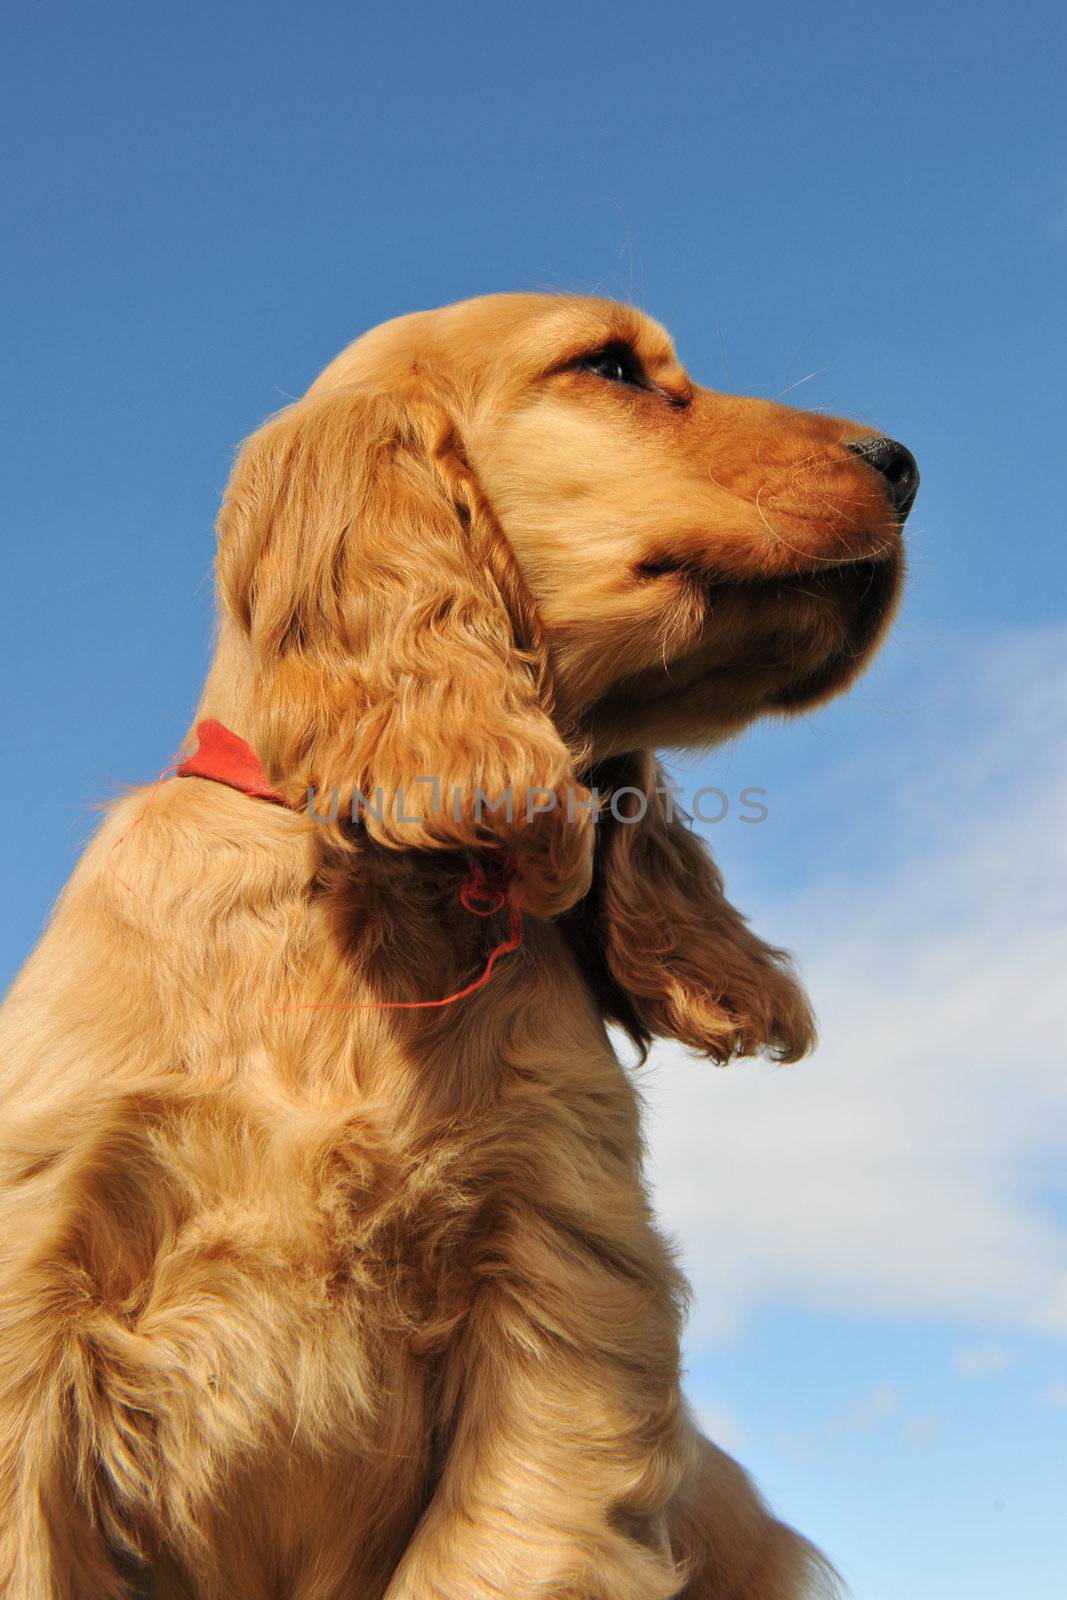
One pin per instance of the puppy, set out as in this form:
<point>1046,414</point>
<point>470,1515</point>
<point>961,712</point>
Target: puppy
<point>328,1271</point>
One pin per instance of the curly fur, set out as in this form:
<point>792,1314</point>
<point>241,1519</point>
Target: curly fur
<point>306,1298</point>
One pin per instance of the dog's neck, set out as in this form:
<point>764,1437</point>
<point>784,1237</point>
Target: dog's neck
<point>228,690</point>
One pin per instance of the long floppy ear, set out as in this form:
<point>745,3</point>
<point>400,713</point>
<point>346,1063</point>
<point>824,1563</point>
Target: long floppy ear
<point>675,958</point>
<point>395,651</point>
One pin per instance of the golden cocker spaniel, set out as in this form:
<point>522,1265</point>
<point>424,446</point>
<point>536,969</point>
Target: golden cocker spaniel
<point>328,1270</point>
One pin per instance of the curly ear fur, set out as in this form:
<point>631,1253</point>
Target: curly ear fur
<point>392,638</point>
<point>677,960</point>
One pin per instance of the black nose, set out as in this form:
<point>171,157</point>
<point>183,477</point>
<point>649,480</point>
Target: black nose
<point>897,466</point>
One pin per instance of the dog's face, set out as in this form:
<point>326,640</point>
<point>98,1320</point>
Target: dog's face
<point>697,559</point>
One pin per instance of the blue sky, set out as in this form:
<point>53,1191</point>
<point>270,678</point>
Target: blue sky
<point>871,205</point>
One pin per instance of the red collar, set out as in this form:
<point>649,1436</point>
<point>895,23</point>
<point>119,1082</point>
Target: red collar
<point>224,758</point>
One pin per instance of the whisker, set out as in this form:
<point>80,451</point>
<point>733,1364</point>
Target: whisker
<point>818,371</point>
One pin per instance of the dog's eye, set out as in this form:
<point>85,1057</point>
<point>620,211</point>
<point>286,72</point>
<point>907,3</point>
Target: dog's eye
<point>617,363</point>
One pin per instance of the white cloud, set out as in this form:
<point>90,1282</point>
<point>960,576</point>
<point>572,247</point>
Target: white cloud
<point>875,1407</point>
<point>878,1412</point>
<point>900,1170</point>
<point>980,1361</point>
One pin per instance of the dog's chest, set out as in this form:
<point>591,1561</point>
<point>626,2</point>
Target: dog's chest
<point>335,1251</point>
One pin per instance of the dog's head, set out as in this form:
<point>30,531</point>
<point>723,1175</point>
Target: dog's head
<point>696,559</point>
<point>510,546</point>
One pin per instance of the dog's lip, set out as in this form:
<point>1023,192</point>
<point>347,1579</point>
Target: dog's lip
<point>699,570</point>
<point>876,569</point>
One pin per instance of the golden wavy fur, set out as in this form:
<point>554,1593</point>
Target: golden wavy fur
<point>307,1298</point>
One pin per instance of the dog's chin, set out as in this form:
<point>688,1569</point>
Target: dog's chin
<point>862,598</point>
<point>768,646</point>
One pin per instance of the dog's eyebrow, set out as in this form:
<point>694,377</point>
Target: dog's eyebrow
<point>570,331</point>
<point>650,345</point>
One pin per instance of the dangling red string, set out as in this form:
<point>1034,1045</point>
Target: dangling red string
<point>483,892</point>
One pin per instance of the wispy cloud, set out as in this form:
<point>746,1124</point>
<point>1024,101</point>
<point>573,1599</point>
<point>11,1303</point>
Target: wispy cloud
<point>875,1407</point>
<point>921,1429</point>
<point>980,1361</point>
<point>904,1170</point>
